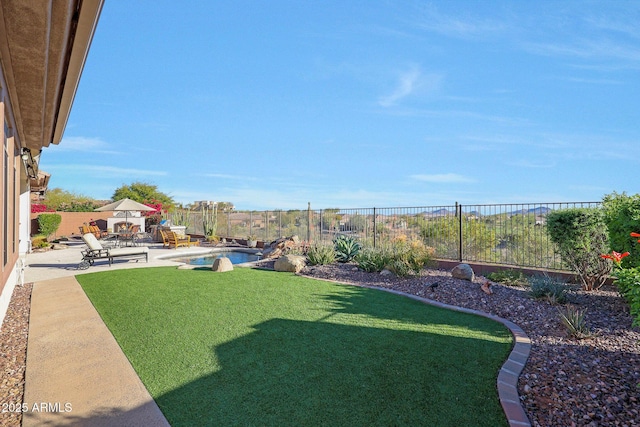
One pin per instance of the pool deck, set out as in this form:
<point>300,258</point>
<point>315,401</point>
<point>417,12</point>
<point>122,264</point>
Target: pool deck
<point>77,375</point>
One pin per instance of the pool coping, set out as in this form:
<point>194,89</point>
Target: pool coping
<point>192,252</point>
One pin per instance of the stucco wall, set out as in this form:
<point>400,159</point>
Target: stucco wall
<point>71,222</point>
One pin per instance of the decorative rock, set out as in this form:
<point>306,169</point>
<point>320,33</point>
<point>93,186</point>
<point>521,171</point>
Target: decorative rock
<point>222,264</point>
<point>486,288</point>
<point>386,272</point>
<point>292,263</point>
<point>463,271</point>
<point>280,247</point>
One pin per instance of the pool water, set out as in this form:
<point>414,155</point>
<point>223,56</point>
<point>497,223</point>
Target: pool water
<point>235,257</point>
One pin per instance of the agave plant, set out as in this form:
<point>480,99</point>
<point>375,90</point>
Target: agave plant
<point>346,247</point>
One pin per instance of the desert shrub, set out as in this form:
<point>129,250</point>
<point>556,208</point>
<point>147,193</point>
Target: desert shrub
<point>346,247</point>
<point>373,260</point>
<point>622,215</point>
<point>321,255</point>
<point>580,235</point>
<point>410,258</point>
<point>39,241</point>
<point>549,288</point>
<point>48,223</point>
<point>573,320</point>
<point>628,283</point>
<point>399,267</point>
<point>509,277</point>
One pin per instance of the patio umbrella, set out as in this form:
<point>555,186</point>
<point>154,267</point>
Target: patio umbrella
<point>125,205</point>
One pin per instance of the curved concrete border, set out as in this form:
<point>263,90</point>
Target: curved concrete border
<point>511,369</point>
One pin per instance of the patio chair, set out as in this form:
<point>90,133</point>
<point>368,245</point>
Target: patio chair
<point>95,251</point>
<point>176,240</point>
<point>165,238</point>
<point>130,235</point>
<point>97,232</point>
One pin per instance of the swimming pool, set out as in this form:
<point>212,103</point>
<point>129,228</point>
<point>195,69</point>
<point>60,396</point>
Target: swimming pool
<point>236,257</point>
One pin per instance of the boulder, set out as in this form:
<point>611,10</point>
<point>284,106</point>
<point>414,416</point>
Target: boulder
<point>222,264</point>
<point>463,271</point>
<point>292,263</point>
<point>280,247</point>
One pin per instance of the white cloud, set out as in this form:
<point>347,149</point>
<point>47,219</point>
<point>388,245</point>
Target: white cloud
<point>459,26</point>
<point>228,176</point>
<point>84,144</point>
<point>105,171</point>
<point>443,178</point>
<point>410,82</point>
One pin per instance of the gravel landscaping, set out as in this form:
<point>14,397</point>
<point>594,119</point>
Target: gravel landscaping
<point>566,382</point>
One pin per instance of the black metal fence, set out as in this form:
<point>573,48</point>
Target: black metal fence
<point>506,234</point>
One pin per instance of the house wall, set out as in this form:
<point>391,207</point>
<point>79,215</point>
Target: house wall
<point>12,179</point>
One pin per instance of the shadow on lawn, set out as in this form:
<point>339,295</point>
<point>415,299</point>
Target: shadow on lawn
<point>291,372</point>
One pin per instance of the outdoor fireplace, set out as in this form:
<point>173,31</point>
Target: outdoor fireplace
<point>114,223</point>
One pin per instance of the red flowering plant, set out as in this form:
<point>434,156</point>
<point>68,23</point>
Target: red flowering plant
<point>39,208</point>
<point>155,216</point>
<point>616,257</point>
<point>628,281</point>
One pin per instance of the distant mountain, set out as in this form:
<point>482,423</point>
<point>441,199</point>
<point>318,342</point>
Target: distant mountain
<point>439,212</point>
<point>541,210</point>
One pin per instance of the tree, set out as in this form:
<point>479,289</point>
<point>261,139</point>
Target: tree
<point>58,199</point>
<point>143,193</point>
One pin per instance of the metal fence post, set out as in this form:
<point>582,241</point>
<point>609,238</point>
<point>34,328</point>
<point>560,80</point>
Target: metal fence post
<point>309,222</point>
<point>459,214</point>
<point>374,228</point>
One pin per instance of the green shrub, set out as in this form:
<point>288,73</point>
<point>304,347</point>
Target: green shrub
<point>580,235</point>
<point>321,255</point>
<point>509,277</point>
<point>410,258</point>
<point>399,267</point>
<point>573,319</point>
<point>549,288</point>
<point>346,247</point>
<point>373,260</point>
<point>39,241</point>
<point>48,223</point>
<point>622,216</point>
<point>628,283</point>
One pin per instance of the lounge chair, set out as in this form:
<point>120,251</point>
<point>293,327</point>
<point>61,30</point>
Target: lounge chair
<point>95,251</point>
<point>176,240</point>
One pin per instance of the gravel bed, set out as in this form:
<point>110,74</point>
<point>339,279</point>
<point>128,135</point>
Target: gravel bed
<point>566,381</point>
<point>13,355</point>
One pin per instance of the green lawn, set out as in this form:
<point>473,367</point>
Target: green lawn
<point>262,348</point>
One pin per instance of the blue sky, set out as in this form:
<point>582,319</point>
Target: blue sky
<point>273,104</point>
